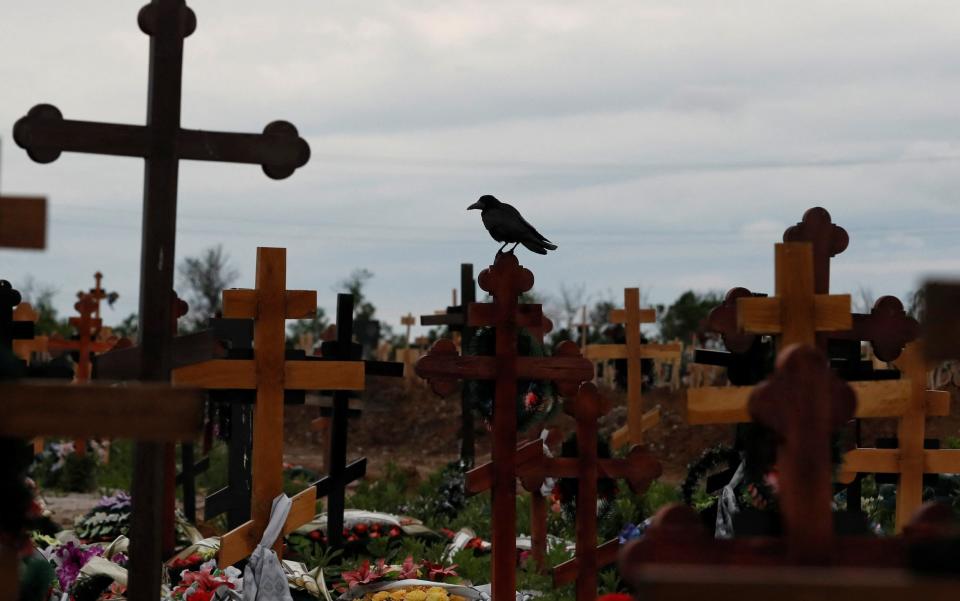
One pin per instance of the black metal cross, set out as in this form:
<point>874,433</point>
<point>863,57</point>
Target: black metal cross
<point>455,318</point>
<point>162,143</point>
<point>340,474</point>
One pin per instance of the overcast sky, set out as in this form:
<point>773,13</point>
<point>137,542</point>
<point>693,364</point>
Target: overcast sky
<point>661,144</point>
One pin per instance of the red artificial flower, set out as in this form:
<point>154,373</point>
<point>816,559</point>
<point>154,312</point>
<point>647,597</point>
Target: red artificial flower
<point>437,572</point>
<point>315,535</point>
<point>615,597</point>
<point>447,532</point>
<point>531,400</point>
<point>365,574</point>
<point>409,569</point>
<point>394,532</point>
<point>360,528</point>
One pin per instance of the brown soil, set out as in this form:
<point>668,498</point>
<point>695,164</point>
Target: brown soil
<point>418,431</point>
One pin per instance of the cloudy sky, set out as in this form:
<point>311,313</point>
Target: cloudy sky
<point>662,144</point>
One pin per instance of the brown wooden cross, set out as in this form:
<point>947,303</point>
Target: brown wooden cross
<point>910,461</point>
<point>97,293</point>
<point>804,403</point>
<point>23,222</point>
<point>12,328</point>
<point>634,351</point>
<point>86,326</point>
<point>270,304</point>
<point>505,280</point>
<point>639,468</point>
<point>144,412</point>
<point>409,321</point>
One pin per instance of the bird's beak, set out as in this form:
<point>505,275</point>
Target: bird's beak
<point>475,205</point>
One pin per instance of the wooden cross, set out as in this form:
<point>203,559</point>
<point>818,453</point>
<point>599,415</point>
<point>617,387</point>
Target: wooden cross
<point>162,143</point>
<point>23,222</point>
<point>584,327</point>
<point>97,293</point>
<point>12,329</point>
<point>86,326</point>
<point>911,461</point>
<point>145,412</point>
<point>340,474</point>
<point>505,280</point>
<point>639,468</point>
<point>269,373</point>
<point>26,347</point>
<point>455,318</point>
<point>409,321</point>
<point>634,351</point>
<point>804,403</point>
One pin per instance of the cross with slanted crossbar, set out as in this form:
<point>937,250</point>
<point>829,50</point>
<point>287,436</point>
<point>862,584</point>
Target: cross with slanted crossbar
<point>505,280</point>
<point>634,351</point>
<point>910,461</point>
<point>269,304</point>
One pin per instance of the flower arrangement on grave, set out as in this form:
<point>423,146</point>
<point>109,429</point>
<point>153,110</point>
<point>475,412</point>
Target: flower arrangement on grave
<point>565,489</point>
<point>178,566</point>
<point>380,572</point>
<point>535,398</point>
<point>414,593</point>
<point>90,572</point>
<point>203,583</point>
<point>109,519</point>
<point>360,529</point>
<point>60,467</point>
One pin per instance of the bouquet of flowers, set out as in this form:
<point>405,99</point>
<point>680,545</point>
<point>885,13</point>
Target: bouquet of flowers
<point>380,572</point>
<point>200,585</point>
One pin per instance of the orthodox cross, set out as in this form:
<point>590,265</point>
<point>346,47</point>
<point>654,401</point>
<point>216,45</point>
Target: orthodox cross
<point>639,468</point>
<point>86,326</point>
<point>505,280</point>
<point>340,474</point>
<point>804,402</point>
<point>23,222</point>
<point>911,461</point>
<point>98,294</point>
<point>269,304</point>
<point>162,143</point>
<point>455,318</point>
<point>634,351</point>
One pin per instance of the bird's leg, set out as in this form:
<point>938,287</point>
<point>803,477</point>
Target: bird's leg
<point>515,244</point>
<point>500,250</point>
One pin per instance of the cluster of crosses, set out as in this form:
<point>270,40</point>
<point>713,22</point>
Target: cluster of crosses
<point>155,392</point>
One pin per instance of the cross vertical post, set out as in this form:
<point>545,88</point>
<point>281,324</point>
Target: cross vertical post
<point>505,280</point>
<point>45,134</point>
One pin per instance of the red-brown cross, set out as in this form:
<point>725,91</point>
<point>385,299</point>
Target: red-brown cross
<point>505,280</point>
<point>639,468</point>
<point>86,326</point>
<point>804,402</point>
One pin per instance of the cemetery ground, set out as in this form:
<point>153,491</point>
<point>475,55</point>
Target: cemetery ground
<point>408,434</point>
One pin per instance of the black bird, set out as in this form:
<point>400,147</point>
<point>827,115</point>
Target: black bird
<point>507,225</point>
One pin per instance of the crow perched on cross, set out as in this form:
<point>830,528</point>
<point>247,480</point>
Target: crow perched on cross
<point>507,225</point>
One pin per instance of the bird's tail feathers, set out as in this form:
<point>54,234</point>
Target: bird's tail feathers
<point>536,247</point>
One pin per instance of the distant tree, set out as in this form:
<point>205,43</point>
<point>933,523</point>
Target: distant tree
<point>354,284</point>
<point>203,280</point>
<point>916,304</point>
<point>686,315</point>
<point>40,296</point>
<point>129,327</point>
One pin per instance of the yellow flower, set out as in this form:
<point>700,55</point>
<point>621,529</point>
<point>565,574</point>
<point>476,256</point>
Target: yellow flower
<point>437,589</point>
<point>437,596</point>
<point>416,595</point>
<point>381,596</point>
<point>398,594</point>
